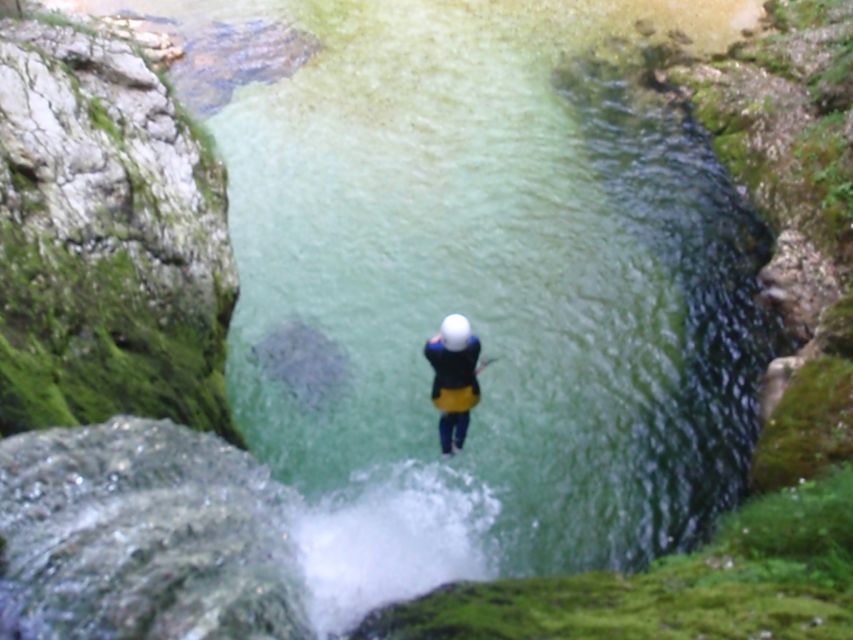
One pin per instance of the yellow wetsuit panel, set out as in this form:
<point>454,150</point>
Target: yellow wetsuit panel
<point>456,400</point>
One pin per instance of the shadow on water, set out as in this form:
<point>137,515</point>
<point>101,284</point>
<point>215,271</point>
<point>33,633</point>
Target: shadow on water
<point>659,171</point>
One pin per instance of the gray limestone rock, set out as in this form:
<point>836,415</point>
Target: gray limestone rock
<point>117,279</point>
<point>144,529</point>
<point>801,281</point>
<point>775,383</point>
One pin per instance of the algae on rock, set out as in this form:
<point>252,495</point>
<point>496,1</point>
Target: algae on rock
<point>117,280</point>
<point>812,427</point>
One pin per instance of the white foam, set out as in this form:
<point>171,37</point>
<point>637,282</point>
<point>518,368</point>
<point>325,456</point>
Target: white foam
<point>393,534</point>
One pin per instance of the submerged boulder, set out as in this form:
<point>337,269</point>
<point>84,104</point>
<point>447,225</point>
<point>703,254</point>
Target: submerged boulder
<point>224,56</point>
<point>308,363</point>
<point>143,529</point>
<point>117,280</point>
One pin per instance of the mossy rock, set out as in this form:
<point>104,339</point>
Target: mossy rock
<point>832,88</point>
<point>810,524</point>
<point>683,602</point>
<point>810,429</point>
<point>804,14</point>
<point>116,298</point>
<point>836,330</point>
<point>733,151</point>
<point>778,108</point>
<point>781,568</point>
<point>769,53</point>
<point>825,171</point>
<point>81,351</point>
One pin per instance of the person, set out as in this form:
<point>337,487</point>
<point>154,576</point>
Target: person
<point>453,354</point>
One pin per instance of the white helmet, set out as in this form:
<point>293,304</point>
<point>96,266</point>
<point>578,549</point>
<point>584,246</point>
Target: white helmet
<point>455,332</point>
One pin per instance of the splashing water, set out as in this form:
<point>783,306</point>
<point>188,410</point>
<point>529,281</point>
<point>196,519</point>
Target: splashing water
<point>390,535</point>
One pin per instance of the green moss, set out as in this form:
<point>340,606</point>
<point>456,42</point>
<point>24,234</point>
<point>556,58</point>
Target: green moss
<point>202,135</point>
<point>841,67</point>
<point>733,151</point>
<point>210,169</point>
<point>826,170</point>
<point>801,14</point>
<point>100,119</point>
<point>832,89</point>
<point>811,428</point>
<point>716,110</point>
<point>142,371</point>
<point>29,396</point>
<point>77,345</point>
<point>781,568</point>
<point>837,328</point>
<point>709,109</point>
<point>770,53</point>
<point>25,184</point>
<point>683,601</point>
<point>817,522</point>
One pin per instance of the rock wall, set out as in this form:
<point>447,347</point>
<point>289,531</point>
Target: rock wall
<point>781,110</point>
<point>117,280</point>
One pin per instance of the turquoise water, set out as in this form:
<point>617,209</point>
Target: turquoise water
<point>371,199</point>
<point>429,161</point>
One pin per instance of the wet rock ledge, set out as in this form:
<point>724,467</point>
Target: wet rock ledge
<point>143,529</point>
<point>779,106</point>
<point>117,280</point>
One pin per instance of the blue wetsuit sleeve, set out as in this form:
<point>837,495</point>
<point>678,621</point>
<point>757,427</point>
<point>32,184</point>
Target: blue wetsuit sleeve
<point>432,351</point>
<point>475,348</point>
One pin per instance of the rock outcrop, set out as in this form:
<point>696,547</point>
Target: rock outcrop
<point>222,57</point>
<point>781,110</point>
<point>143,529</point>
<point>117,280</point>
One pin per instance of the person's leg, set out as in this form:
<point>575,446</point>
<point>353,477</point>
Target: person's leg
<point>445,431</point>
<point>462,423</point>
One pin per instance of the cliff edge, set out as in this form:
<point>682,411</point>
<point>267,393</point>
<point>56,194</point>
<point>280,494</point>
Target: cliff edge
<point>117,279</point>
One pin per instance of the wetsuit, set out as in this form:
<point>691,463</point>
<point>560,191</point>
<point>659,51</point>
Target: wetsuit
<point>455,390</point>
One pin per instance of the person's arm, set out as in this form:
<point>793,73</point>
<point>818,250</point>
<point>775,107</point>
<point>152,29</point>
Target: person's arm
<point>432,348</point>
